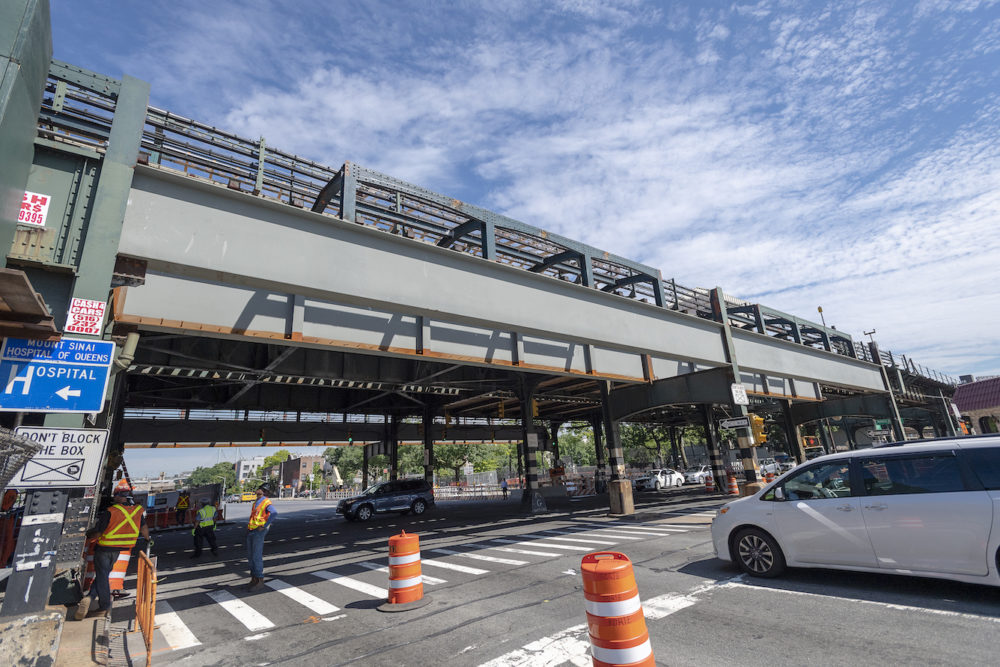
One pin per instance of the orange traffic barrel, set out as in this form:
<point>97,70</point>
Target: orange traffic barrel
<point>769,477</point>
<point>710,483</point>
<point>406,585</point>
<point>618,635</point>
<point>116,580</point>
<point>734,488</point>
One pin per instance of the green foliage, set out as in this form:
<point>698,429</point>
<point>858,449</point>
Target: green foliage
<point>348,460</point>
<point>411,459</point>
<point>277,457</point>
<point>577,442</point>
<point>450,458</point>
<point>211,475</point>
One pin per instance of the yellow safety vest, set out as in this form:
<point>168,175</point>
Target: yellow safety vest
<point>182,502</point>
<point>258,516</point>
<point>206,516</point>
<point>123,528</point>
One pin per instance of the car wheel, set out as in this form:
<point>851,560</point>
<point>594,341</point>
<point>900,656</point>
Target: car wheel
<point>365,512</point>
<point>656,486</point>
<point>418,507</point>
<point>758,554</point>
<point>678,483</point>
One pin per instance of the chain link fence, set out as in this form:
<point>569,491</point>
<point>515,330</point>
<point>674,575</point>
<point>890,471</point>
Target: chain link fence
<point>15,450</point>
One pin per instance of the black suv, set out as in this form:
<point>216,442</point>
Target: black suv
<point>403,496</point>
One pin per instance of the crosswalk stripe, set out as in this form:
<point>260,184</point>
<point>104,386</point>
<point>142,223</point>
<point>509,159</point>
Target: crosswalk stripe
<point>432,581</point>
<point>618,535</point>
<point>572,539</point>
<point>321,607</point>
<point>241,611</point>
<point>173,629</point>
<point>648,529</point>
<point>491,559</point>
<point>360,586</point>
<point>451,566</point>
<point>527,552</point>
<point>639,530</point>
<point>542,544</point>
<point>588,534</point>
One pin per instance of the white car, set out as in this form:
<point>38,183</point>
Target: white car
<point>697,474</point>
<point>659,479</point>
<point>930,509</point>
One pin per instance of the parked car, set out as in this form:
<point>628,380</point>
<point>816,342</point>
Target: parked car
<point>661,478</point>
<point>768,465</point>
<point>697,474</point>
<point>785,463</point>
<point>925,509</point>
<point>403,496</point>
<point>232,498</point>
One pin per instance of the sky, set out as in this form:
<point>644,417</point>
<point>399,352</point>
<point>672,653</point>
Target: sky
<point>843,155</point>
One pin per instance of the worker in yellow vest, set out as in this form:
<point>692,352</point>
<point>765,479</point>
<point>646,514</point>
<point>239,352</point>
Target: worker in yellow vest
<point>204,528</point>
<point>261,516</point>
<point>117,529</point>
<point>183,502</point>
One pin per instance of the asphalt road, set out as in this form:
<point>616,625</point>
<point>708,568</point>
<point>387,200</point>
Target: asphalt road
<point>506,590</point>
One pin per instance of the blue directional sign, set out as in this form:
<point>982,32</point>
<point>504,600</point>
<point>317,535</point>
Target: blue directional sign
<point>68,375</point>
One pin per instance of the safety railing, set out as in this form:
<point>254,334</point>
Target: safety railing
<point>145,602</point>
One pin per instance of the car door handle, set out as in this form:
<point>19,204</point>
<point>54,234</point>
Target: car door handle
<point>846,508</point>
<point>880,506</point>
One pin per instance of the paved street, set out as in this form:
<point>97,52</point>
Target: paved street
<point>506,590</point>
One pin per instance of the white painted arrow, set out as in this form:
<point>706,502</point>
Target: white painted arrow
<point>66,392</point>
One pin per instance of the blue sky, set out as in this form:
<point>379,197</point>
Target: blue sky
<point>843,154</point>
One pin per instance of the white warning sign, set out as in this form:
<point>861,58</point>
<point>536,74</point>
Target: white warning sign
<point>69,457</point>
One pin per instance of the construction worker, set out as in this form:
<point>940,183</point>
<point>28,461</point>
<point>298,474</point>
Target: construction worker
<point>117,529</point>
<point>183,502</point>
<point>204,527</point>
<point>261,516</point>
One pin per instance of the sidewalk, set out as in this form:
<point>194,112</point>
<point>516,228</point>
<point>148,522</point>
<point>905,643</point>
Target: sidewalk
<point>99,640</point>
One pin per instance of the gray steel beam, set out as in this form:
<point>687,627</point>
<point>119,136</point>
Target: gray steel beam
<point>709,387</point>
<point>870,405</point>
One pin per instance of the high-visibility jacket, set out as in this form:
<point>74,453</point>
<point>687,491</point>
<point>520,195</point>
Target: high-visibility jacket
<point>258,517</point>
<point>123,528</point>
<point>206,516</point>
<point>182,502</point>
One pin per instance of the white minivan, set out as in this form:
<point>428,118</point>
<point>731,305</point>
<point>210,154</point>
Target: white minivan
<point>930,509</point>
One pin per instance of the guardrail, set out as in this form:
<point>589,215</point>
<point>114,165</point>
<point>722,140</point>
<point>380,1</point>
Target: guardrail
<point>145,602</point>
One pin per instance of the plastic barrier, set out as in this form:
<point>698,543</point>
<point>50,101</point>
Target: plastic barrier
<point>617,627</point>
<point>406,586</point>
<point>734,487</point>
<point>709,484</point>
<point>117,577</point>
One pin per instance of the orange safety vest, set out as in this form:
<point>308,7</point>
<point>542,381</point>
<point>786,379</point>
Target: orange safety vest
<point>123,528</point>
<point>257,516</point>
<point>182,503</point>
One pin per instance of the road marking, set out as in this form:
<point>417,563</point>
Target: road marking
<point>542,544</point>
<point>664,605</point>
<point>451,566</point>
<point>572,539</point>
<point>527,552</point>
<point>241,611</point>
<point>368,565</point>
<point>640,530</point>
<point>570,645</point>
<point>360,586</point>
<point>617,536</point>
<point>491,559</point>
<point>876,603</point>
<point>173,629</point>
<point>321,607</point>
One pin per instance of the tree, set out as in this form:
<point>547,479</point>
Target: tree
<point>577,442</point>
<point>278,457</point>
<point>347,458</point>
<point>204,476</point>
<point>411,459</point>
<point>450,458</point>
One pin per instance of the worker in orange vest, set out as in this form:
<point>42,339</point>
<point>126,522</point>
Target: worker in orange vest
<point>117,529</point>
<point>183,502</point>
<point>261,516</point>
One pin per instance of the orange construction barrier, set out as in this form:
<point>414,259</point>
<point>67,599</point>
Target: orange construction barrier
<point>145,602</point>
<point>710,483</point>
<point>406,585</point>
<point>768,477</point>
<point>617,627</point>
<point>734,488</point>
<point>88,576</point>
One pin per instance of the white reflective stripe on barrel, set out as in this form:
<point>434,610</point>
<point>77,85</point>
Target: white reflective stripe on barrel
<point>404,560</point>
<point>116,575</point>
<point>404,583</point>
<point>623,656</point>
<point>620,608</point>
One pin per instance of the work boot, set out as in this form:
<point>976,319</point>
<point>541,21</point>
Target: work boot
<point>98,613</point>
<point>253,582</point>
<point>82,608</point>
<point>258,583</point>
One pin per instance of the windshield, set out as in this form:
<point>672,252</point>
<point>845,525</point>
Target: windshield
<point>373,489</point>
<point>694,469</point>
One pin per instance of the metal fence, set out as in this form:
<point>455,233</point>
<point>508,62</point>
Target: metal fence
<point>15,450</point>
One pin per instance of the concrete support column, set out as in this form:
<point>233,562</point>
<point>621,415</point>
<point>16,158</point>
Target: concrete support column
<point>619,488</point>
<point>531,498</point>
<point>714,455</point>
<point>601,473</point>
<point>792,433</point>
<point>364,467</point>
<point>428,423</point>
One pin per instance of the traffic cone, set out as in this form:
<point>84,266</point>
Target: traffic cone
<point>709,483</point>
<point>617,627</point>
<point>734,488</point>
<point>406,587</point>
<point>769,477</point>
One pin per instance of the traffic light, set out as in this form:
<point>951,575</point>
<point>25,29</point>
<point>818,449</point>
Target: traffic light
<point>350,438</point>
<point>757,427</point>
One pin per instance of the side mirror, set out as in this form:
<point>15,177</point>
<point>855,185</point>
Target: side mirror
<point>779,493</point>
